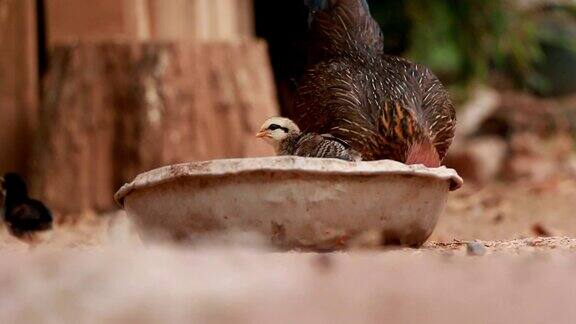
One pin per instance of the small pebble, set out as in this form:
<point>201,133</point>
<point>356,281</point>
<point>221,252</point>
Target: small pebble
<point>475,248</point>
<point>541,230</point>
<point>499,218</point>
<point>324,261</point>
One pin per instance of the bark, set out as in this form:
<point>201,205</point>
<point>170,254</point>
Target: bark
<point>112,111</point>
<point>18,83</point>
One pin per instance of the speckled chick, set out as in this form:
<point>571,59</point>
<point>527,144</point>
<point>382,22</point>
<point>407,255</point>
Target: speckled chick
<point>285,136</point>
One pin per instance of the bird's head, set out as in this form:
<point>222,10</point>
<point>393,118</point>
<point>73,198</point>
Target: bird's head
<point>276,129</point>
<point>13,182</point>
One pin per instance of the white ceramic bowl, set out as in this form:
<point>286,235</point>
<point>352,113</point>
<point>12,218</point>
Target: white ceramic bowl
<point>296,202</point>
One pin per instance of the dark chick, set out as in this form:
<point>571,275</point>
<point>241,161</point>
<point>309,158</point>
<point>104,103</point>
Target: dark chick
<point>286,138</point>
<point>27,219</point>
<point>385,107</point>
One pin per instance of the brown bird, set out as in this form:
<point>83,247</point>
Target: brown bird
<point>285,136</point>
<point>384,107</point>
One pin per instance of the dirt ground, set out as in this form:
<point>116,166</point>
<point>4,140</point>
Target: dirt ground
<point>500,254</point>
<point>159,284</point>
<point>496,212</point>
<point>504,211</point>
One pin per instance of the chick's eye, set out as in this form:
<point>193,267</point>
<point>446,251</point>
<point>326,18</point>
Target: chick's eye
<point>274,127</point>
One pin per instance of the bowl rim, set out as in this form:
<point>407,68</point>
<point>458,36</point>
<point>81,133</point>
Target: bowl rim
<point>281,164</point>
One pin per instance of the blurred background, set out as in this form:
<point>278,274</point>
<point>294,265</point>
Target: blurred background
<point>94,92</point>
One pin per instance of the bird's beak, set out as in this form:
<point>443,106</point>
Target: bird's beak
<point>262,134</point>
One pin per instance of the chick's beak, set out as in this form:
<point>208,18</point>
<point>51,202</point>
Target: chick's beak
<point>262,134</point>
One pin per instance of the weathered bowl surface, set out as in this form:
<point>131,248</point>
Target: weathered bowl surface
<point>296,202</point>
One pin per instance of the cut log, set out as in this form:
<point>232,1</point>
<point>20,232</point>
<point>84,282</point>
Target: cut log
<point>112,111</point>
<point>146,20</point>
<point>18,83</point>
<point>208,20</point>
<point>72,20</point>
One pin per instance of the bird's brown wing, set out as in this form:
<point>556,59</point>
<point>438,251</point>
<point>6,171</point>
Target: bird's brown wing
<point>368,106</point>
<point>435,111</point>
<point>439,111</point>
<point>332,99</point>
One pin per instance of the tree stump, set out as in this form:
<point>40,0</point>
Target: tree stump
<point>111,111</point>
<point>18,83</point>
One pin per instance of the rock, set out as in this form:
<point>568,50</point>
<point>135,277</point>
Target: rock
<point>483,104</point>
<point>479,160</point>
<point>542,230</point>
<point>499,218</point>
<point>520,113</point>
<point>475,248</point>
<point>538,159</point>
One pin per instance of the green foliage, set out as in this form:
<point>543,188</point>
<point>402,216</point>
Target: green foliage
<point>465,40</point>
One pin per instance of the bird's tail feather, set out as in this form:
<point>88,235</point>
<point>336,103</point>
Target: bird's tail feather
<point>343,27</point>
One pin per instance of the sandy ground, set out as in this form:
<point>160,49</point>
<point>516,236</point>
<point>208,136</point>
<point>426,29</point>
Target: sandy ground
<point>509,211</point>
<point>499,211</point>
<point>485,263</point>
<point>163,284</point>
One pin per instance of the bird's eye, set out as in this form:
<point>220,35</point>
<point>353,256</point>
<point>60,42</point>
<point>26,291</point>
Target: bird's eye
<point>274,127</point>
